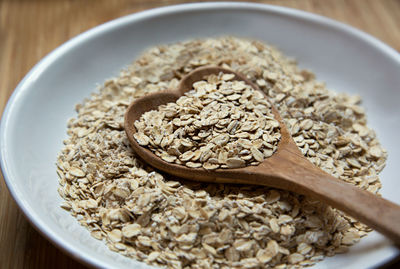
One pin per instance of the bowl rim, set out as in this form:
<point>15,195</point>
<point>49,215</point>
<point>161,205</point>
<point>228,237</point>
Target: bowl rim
<point>42,65</point>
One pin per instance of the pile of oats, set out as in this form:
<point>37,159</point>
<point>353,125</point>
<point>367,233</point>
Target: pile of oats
<point>180,224</point>
<point>219,124</point>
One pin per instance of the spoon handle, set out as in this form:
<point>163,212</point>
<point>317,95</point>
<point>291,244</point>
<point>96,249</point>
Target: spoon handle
<point>301,176</point>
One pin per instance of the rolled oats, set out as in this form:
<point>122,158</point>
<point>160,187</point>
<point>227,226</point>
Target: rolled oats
<point>213,118</point>
<point>166,222</point>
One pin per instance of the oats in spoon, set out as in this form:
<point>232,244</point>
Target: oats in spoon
<point>221,123</point>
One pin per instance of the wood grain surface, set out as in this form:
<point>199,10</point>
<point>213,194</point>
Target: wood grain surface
<point>31,29</point>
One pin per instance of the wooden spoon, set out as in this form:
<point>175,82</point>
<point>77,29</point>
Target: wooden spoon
<point>286,169</point>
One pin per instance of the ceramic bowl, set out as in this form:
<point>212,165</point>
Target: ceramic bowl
<point>34,121</point>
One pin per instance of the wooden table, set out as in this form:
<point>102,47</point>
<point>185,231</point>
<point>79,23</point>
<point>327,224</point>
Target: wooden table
<point>31,29</point>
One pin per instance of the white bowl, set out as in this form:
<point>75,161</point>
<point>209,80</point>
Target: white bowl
<point>34,121</point>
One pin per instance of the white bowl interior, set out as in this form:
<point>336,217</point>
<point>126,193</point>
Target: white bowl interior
<point>34,123</point>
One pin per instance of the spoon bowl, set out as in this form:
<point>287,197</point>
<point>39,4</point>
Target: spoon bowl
<point>286,169</point>
<point>245,175</point>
